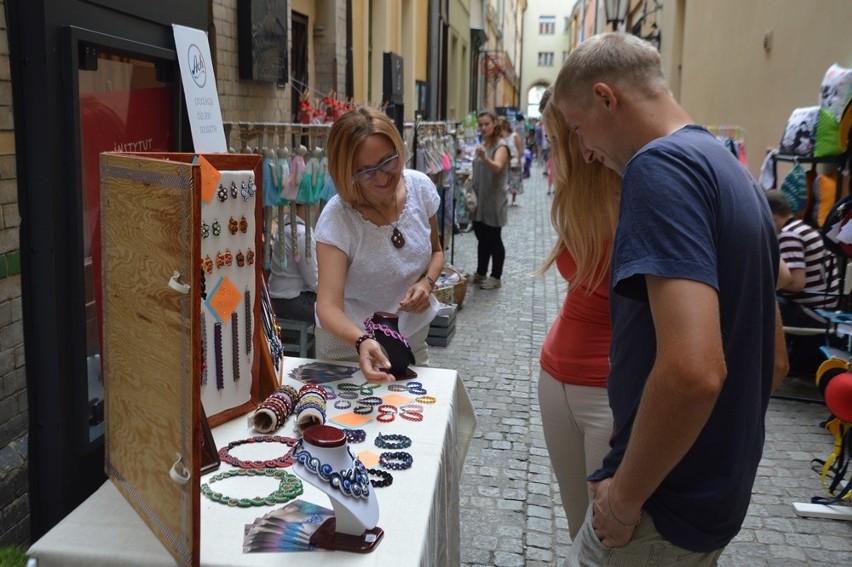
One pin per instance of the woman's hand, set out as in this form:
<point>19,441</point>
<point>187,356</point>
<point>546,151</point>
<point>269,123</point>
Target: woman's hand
<point>374,362</point>
<point>417,297</point>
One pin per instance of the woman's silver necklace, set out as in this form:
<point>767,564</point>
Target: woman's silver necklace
<point>397,239</point>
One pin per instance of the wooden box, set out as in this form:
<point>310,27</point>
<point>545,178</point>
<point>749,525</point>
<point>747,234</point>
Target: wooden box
<point>156,350</point>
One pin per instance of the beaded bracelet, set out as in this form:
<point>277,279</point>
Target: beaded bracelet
<point>355,435</point>
<point>277,463</point>
<point>203,349</point>
<point>393,441</point>
<point>387,413</point>
<point>347,395</point>
<point>353,482</point>
<point>398,460</point>
<point>217,348</point>
<point>363,410</point>
<point>371,401</point>
<point>415,388</point>
<point>367,389</point>
<point>249,328</point>
<point>360,340</point>
<point>386,478</point>
<point>410,416</point>
<point>429,400</point>
<point>348,387</point>
<point>329,392</point>
<point>342,404</point>
<point>289,487</point>
<point>235,345</point>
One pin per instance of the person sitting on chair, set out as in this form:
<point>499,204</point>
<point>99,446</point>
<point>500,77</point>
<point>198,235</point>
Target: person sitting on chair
<point>814,276</point>
<point>293,274</point>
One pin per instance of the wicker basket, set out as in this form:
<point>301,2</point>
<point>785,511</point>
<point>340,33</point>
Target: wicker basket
<point>452,293</point>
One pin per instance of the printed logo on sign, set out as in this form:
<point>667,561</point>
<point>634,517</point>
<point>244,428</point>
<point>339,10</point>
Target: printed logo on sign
<point>196,65</point>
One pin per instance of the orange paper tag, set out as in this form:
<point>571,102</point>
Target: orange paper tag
<point>210,177</point>
<point>350,419</point>
<point>397,399</point>
<point>369,459</point>
<point>223,299</point>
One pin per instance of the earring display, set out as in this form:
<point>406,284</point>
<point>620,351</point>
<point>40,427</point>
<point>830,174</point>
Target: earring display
<point>228,234</point>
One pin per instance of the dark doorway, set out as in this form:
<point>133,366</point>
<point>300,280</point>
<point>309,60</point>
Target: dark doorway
<point>299,62</point>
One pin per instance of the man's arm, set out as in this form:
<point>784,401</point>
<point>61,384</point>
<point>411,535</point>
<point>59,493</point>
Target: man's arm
<point>679,396</point>
<point>782,365</point>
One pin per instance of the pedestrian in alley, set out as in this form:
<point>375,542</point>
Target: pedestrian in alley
<point>575,414</point>
<point>490,170</point>
<point>694,318</point>
<point>514,180</point>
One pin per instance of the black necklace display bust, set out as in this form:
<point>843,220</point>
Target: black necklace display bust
<point>385,329</point>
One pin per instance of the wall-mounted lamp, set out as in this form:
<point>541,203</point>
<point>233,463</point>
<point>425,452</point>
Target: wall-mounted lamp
<point>616,12</point>
<point>767,41</point>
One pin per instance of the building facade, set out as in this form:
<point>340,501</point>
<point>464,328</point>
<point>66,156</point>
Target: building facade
<point>547,31</point>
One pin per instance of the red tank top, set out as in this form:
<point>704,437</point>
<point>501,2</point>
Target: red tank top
<point>576,349</point>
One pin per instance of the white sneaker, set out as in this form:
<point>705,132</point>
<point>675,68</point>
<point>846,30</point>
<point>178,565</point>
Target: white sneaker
<point>491,283</point>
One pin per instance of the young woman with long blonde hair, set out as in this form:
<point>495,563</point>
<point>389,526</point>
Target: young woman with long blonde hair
<point>575,412</point>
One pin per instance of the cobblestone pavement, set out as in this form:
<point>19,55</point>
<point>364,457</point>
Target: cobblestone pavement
<point>510,514</point>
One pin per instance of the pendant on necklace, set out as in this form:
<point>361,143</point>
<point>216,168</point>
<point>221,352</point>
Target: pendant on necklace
<point>397,239</point>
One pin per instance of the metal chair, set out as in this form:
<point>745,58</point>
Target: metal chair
<point>305,345</point>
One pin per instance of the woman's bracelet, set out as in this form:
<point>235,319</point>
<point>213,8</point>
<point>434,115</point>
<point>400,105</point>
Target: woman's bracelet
<point>620,523</point>
<point>360,340</point>
<point>428,277</point>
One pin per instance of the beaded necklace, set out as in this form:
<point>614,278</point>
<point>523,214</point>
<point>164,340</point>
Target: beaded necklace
<point>353,482</point>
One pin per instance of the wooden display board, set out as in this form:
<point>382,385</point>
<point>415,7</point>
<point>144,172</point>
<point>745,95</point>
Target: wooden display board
<point>151,218</point>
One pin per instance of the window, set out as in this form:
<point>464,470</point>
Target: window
<point>545,59</point>
<point>546,25</point>
<point>567,24</point>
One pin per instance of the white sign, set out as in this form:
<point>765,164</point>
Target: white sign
<point>199,88</point>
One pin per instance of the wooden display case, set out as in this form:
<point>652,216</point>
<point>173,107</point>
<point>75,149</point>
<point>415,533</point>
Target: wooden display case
<point>154,355</point>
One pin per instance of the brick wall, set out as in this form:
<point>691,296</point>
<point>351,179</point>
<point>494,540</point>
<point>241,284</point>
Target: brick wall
<point>14,504</point>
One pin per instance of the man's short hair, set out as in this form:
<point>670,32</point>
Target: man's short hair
<point>779,204</point>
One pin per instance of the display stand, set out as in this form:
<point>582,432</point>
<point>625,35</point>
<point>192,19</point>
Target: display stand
<point>356,513</point>
<point>153,344</point>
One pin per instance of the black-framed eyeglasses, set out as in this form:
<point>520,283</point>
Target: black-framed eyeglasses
<point>388,166</point>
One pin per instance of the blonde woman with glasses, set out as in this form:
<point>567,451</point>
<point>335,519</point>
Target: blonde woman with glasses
<point>377,244</point>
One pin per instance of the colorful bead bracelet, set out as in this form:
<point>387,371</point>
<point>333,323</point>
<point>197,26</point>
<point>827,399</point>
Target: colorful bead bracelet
<point>289,487</point>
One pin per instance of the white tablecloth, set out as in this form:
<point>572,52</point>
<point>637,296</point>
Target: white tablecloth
<point>419,512</point>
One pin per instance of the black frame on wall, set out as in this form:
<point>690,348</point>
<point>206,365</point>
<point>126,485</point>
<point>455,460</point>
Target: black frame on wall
<point>47,42</point>
<point>262,40</point>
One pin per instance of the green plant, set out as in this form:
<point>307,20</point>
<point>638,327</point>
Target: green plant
<point>12,557</point>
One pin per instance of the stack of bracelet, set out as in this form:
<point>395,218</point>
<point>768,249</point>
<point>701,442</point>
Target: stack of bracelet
<point>288,488</point>
<point>411,412</point>
<point>274,410</point>
<point>415,388</point>
<point>310,409</point>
